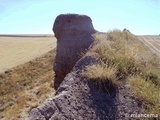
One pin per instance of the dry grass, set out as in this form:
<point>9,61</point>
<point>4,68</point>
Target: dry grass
<point>156,44</point>
<point>125,57</point>
<point>146,92</point>
<point>26,86</point>
<point>18,50</point>
<point>100,73</point>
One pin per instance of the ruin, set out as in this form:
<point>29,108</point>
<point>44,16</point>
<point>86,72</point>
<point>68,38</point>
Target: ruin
<point>77,97</point>
<point>74,36</point>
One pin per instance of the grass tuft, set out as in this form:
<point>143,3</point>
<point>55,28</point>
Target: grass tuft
<point>100,73</point>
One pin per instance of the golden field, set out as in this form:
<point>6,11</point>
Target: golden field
<point>153,42</point>
<point>18,50</point>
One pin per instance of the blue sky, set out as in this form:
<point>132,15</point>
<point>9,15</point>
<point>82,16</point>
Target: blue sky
<point>37,16</point>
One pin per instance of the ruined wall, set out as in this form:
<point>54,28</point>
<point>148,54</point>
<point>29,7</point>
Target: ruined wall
<point>77,98</point>
<point>74,35</point>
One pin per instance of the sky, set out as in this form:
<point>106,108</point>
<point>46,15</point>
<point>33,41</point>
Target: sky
<point>141,17</point>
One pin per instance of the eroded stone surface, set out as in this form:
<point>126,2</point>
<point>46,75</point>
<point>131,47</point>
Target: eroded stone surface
<point>78,99</point>
<point>74,36</point>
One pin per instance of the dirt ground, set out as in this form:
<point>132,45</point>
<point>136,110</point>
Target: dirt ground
<point>18,50</point>
<point>153,42</point>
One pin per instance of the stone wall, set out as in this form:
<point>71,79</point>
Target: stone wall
<point>77,98</point>
<point>74,36</point>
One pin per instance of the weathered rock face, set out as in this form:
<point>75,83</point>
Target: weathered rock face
<point>73,33</point>
<point>78,99</point>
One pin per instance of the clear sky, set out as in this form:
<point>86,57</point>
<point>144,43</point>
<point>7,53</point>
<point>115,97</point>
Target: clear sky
<point>37,16</point>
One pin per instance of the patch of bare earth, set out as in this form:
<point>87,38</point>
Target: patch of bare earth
<point>152,42</point>
<point>26,86</point>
